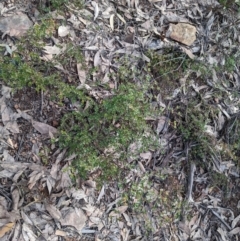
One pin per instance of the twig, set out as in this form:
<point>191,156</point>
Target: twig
<point>41,102</point>
<point>190,182</point>
<point>217,215</point>
<point>19,149</point>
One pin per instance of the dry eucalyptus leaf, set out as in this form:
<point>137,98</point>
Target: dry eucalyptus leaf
<point>5,113</point>
<point>16,233</point>
<point>3,202</point>
<point>43,128</point>
<point>29,234</point>
<point>235,231</point>
<point>6,174</point>
<point>7,157</point>
<point>50,183</point>
<point>81,73</point>
<point>14,166</point>
<point>52,50</point>
<point>34,177</point>
<point>6,91</point>
<point>96,10</point>
<point>101,194</point>
<point>65,180</point>
<point>61,233</point>
<point>74,217</point>
<point>5,229</point>
<point>112,21</point>
<point>53,211</point>
<point>235,221</point>
<point>79,194</point>
<point>121,209</point>
<point>12,126</point>
<point>146,155</point>
<point>25,218</point>
<point>97,59</point>
<point>15,198</point>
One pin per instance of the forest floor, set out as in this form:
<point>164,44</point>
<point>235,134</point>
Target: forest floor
<point>120,120</point>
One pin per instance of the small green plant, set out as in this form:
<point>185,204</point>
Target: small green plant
<point>51,5</point>
<point>219,180</point>
<point>227,3</point>
<point>101,132</point>
<point>169,64</point>
<point>18,74</point>
<point>191,124</point>
<point>165,202</point>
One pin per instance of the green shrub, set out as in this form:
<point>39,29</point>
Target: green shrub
<point>101,133</point>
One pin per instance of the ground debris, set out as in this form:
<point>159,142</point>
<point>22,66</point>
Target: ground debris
<point>167,194</point>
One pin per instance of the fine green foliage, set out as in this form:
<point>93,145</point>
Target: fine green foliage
<point>227,3</point>
<point>101,133</point>
<point>191,124</point>
<point>219,180</point>
<point>18,73</point>
<point>52,5</point>
<point>161,201</point>
<point>169,64</point>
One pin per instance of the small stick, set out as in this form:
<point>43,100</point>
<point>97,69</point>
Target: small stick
<point>19,149</point>
<point>190,182</point>
<point>41,102</point>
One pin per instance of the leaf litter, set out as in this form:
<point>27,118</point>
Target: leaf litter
<point>77,208</point>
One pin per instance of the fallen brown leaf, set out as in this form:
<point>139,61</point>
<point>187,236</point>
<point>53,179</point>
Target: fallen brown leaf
<point>6,228</point>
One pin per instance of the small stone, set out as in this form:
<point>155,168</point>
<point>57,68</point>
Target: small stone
<point>182,32</point>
